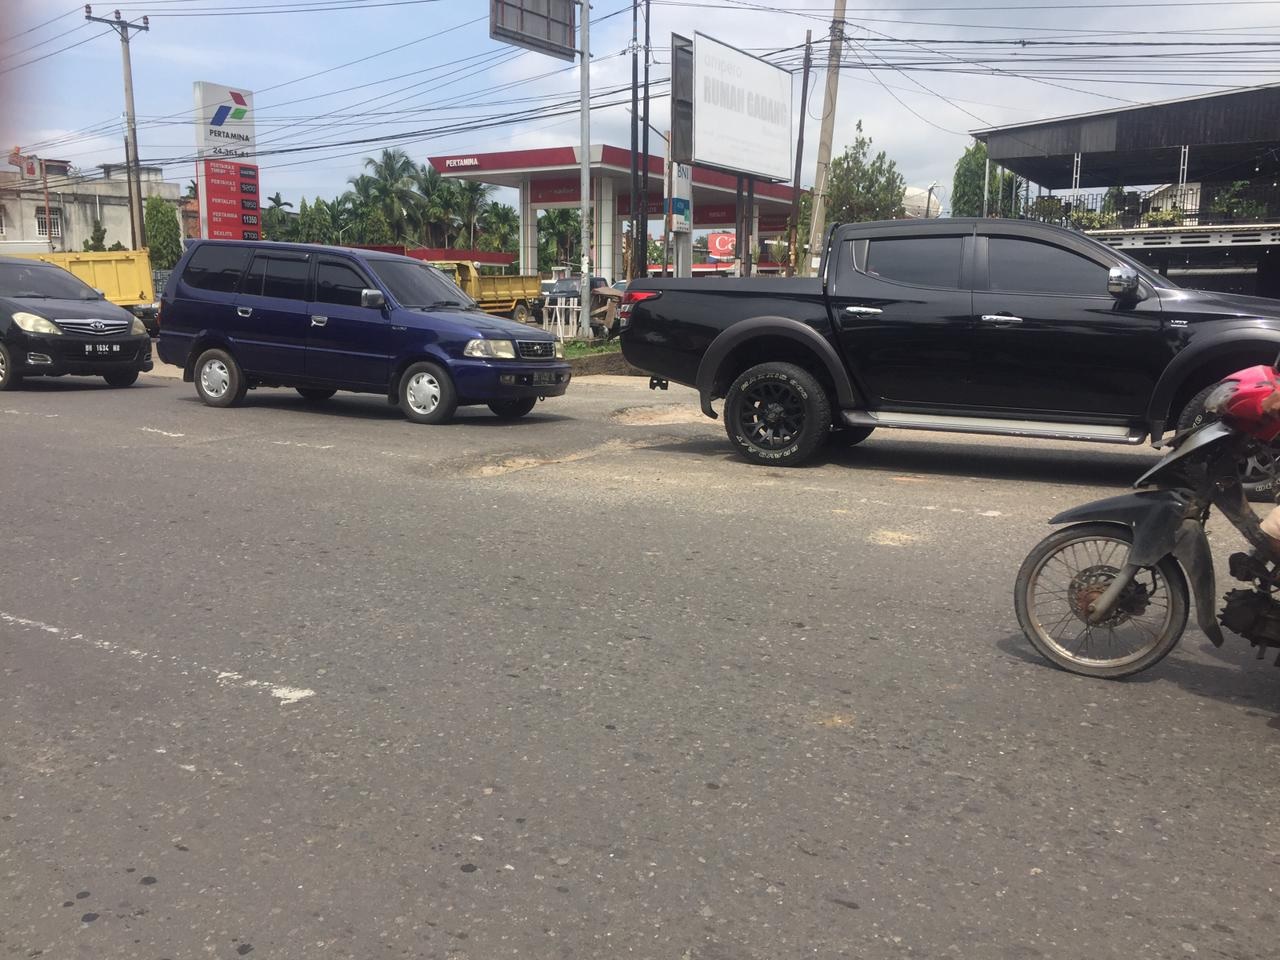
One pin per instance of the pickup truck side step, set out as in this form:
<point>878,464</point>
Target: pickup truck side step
<point>1048,430</point>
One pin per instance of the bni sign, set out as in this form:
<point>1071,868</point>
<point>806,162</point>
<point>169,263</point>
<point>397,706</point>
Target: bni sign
<point>741,111</point>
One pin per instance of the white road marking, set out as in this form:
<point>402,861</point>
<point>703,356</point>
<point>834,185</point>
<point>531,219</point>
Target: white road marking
<point>299,443</point>
<point>163,433</point>
<point>284,693</point>
<point>28,413</point>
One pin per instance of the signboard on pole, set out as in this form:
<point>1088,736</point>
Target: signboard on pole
<point>741,112</point>
<point>680,204</point>
<point>546,26</point>
<point>226,182</point>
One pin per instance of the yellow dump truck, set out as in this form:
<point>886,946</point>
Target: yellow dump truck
<point>513,296</point>
<point>124,276</point>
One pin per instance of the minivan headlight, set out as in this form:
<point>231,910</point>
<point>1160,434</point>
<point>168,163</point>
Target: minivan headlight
<point>490,349</point>
<point>34,323</point>
<point>559,350</point>
<point>137,328</point>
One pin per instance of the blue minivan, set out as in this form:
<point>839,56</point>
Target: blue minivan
<point>319,319</point>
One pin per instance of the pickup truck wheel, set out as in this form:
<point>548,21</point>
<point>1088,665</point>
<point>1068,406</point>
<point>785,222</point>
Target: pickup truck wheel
<point>521,313</point>
<point>777,413</point>
<point>1260,473</point>
<point>513,409</point>
<point>848,436</point>
<point>427,394</point>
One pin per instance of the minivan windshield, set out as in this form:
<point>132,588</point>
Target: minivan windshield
<point>417,285</point>
<point>40,281</point>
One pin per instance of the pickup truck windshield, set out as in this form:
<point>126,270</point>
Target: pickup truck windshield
<point>39,281</point>
<point>418,285</point>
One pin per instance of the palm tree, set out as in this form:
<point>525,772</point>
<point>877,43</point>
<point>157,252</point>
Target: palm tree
<point>472,197</point>
<point>192,189</point>
<point>277,202</point>
<point>438,211</point>
<point>500,225</point>
<point>560,228</point>
<point>389,184</point>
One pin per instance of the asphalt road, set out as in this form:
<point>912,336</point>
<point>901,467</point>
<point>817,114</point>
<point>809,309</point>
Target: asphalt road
<point>283,682</point>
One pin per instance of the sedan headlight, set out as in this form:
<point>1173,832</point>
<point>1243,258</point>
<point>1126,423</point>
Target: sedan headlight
<point>137,328</point>
<point>490,349</point>
<point>34,323</point>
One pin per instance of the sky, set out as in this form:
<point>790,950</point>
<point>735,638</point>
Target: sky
<point>919,74</point>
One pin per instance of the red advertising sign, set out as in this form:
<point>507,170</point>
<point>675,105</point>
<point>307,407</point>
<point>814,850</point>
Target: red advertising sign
<point>229,204</point>
<point>721,245</point>
<point>567,190</point>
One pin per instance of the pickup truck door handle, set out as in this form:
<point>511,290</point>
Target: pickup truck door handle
<point>864,311</point>
<point>319,321</point>
<point>245,311</point>
<point>1000,319</point>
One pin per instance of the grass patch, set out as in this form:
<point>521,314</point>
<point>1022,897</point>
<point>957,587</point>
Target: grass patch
<point>586,348</point>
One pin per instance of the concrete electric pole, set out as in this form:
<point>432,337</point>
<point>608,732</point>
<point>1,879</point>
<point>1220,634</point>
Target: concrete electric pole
<point>584,289</point>
<point>133,173</point>
<point>817,224</point>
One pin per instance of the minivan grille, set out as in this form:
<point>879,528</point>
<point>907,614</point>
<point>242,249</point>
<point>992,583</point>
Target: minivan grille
<point>95,328</point>
<point>536,349</point>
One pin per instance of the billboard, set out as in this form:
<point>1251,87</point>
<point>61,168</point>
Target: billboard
<point>546,26</point>
<point>741,112</point>
<point>226,182</point>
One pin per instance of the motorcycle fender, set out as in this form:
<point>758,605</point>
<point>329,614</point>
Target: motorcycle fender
<point>1155,516</point>
<point>1192,551</point>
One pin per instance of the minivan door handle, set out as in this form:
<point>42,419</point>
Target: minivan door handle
<point>319,321</point>
<point>245,311</point>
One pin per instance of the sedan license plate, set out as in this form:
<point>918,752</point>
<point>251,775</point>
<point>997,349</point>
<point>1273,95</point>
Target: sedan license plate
<point>96,348</point>
<point>543,377</point>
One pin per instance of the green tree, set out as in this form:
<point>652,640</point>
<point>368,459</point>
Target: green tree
<point>164,233</point>
<point>559,232</point>
<point>390,185</point>
<point>1004,190</point>
<point>193,190</point>
<point>473,197</point>
<point>314,222</point>
<point>374,229</point>
<point>97,240</point>
<point>499,228</point>
<point>117,246</point>
<point>861,187</point>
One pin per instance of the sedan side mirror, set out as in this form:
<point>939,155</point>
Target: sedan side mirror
<point>374,299</point>
<point>1122,283</point>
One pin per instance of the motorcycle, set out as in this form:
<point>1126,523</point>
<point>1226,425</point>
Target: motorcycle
<point>1108,595</point>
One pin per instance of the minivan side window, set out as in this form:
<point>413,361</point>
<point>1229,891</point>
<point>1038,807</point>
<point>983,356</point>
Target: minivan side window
<point>274,275</point>
<point>216,267</point>
<point>920,261</point>
<point>340,283</point>
<point>1028,266</point>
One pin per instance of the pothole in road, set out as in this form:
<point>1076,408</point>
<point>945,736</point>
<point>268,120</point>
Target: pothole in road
<point>658,414</point>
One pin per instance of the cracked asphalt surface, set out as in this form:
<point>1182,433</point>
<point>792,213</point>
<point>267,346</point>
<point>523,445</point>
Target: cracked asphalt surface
<point>284,681</point>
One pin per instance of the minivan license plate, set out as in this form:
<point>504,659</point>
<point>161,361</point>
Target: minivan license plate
<point>102,348</point>
<point>543,376</point>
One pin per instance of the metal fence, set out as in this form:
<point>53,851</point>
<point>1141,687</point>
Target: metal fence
<point>1192,205</point>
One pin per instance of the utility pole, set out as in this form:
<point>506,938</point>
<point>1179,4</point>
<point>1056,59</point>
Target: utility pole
<point>132,170</point>
<point>632,270</point>
<point>644,152</point>
<point>584,288</point>
<point>793,239</point>
<point>817,223</point>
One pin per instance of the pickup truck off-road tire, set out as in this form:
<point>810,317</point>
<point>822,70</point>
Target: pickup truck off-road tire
<point>427,395</point>
<point>513,409</point>
<point>778,414</point>
<point>1260,473</point>
<point>219,380</point>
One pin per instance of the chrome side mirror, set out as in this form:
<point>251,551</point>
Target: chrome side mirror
<point>1122,283</point>
<point>374,299</point>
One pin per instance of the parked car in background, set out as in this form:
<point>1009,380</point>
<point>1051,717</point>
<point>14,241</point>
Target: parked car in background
<point>237,316</point>
<point>974,326</point>
<point>53,324</point>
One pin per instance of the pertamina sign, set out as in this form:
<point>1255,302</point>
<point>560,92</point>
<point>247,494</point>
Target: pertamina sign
<point>226,179</point>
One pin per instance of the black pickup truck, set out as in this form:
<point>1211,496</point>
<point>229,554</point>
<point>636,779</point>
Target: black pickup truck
<point>975,326</point>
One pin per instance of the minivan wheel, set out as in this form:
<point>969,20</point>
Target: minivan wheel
<point>124,378</point>
<point>513,409</point>
<point>9,379</point>
<point>777,413</point>
<point>219,380</point>
<point>315,394</point>
<point>427,394</point>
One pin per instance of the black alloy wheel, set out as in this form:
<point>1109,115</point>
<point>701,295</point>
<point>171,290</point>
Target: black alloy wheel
<point>777,413</point>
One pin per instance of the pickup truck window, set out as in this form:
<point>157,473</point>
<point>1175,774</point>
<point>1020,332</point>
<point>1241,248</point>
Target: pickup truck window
<point>336,282</point>
<point>1027,266</point>
<point>919,261</point>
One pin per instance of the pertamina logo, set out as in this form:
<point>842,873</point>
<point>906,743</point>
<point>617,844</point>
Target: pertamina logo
<point>225,113</point>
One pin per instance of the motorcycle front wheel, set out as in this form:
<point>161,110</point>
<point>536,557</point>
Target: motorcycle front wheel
<point>1067,571</point>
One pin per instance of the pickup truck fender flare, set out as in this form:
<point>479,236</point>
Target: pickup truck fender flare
<point>745,330</point>
<point>1248,335</point>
